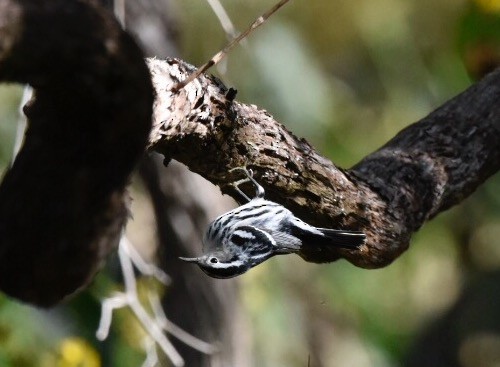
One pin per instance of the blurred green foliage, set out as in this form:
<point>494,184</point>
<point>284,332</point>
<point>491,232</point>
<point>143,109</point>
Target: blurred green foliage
<point>346,75</point>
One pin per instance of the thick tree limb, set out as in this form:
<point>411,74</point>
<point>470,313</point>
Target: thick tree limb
<point>62,204</point>
<point>428,167</point>
<point>88,126</point>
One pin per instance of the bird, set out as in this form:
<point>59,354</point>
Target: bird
<point>252,233</point>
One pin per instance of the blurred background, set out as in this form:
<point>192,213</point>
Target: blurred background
<point>347,76</point>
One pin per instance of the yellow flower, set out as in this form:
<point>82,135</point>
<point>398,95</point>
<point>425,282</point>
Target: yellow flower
<point>76,352</point>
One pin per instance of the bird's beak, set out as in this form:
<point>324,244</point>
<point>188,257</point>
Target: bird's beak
<point>191,259</point>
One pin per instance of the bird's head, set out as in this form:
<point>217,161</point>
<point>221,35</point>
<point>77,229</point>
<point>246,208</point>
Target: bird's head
<point>242,249</point>
<point>221,265</point>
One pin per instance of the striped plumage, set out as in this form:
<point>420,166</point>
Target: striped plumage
<point>252,233</point>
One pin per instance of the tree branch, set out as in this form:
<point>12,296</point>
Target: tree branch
<point>62,203</point>
<point>88,125</point>
<point>428,167</point>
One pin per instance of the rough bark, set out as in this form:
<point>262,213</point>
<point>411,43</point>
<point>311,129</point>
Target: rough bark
<point>427,168</point>
<point>62,203</point>
<point>91,83</point>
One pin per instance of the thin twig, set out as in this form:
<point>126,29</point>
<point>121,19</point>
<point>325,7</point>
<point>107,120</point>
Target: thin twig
<point>133,301</point>
<point>120,12</point>
<point>143,266</point>
<point>153,324</point>
<point>107,308</point>
<point>21,120</point>
<point>151,354</point>
<point>220,55</point>
<point>224,19</point>
<point>228,27</point>
<point>176,331</point>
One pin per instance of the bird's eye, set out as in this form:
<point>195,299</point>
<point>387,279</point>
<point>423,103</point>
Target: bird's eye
<point>214,260</point>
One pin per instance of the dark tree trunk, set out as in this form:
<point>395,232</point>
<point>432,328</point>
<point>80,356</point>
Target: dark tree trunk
<point>62,203</point>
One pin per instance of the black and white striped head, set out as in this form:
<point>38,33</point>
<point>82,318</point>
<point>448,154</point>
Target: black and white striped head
<point>244,248</point>
<point>220,265</point>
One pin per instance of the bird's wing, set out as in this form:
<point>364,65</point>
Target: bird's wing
<point>255,240</point>
<point>286,242</point>
<point>252,240</point>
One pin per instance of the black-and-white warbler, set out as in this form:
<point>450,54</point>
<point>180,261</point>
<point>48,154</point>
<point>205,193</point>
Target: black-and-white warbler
<point>252,233</point>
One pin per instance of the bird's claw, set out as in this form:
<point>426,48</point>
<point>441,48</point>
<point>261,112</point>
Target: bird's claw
<point>259,190</point>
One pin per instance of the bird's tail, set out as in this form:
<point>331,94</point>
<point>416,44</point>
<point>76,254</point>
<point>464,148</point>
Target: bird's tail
<point>340,238</point>
<point>319,238</point>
